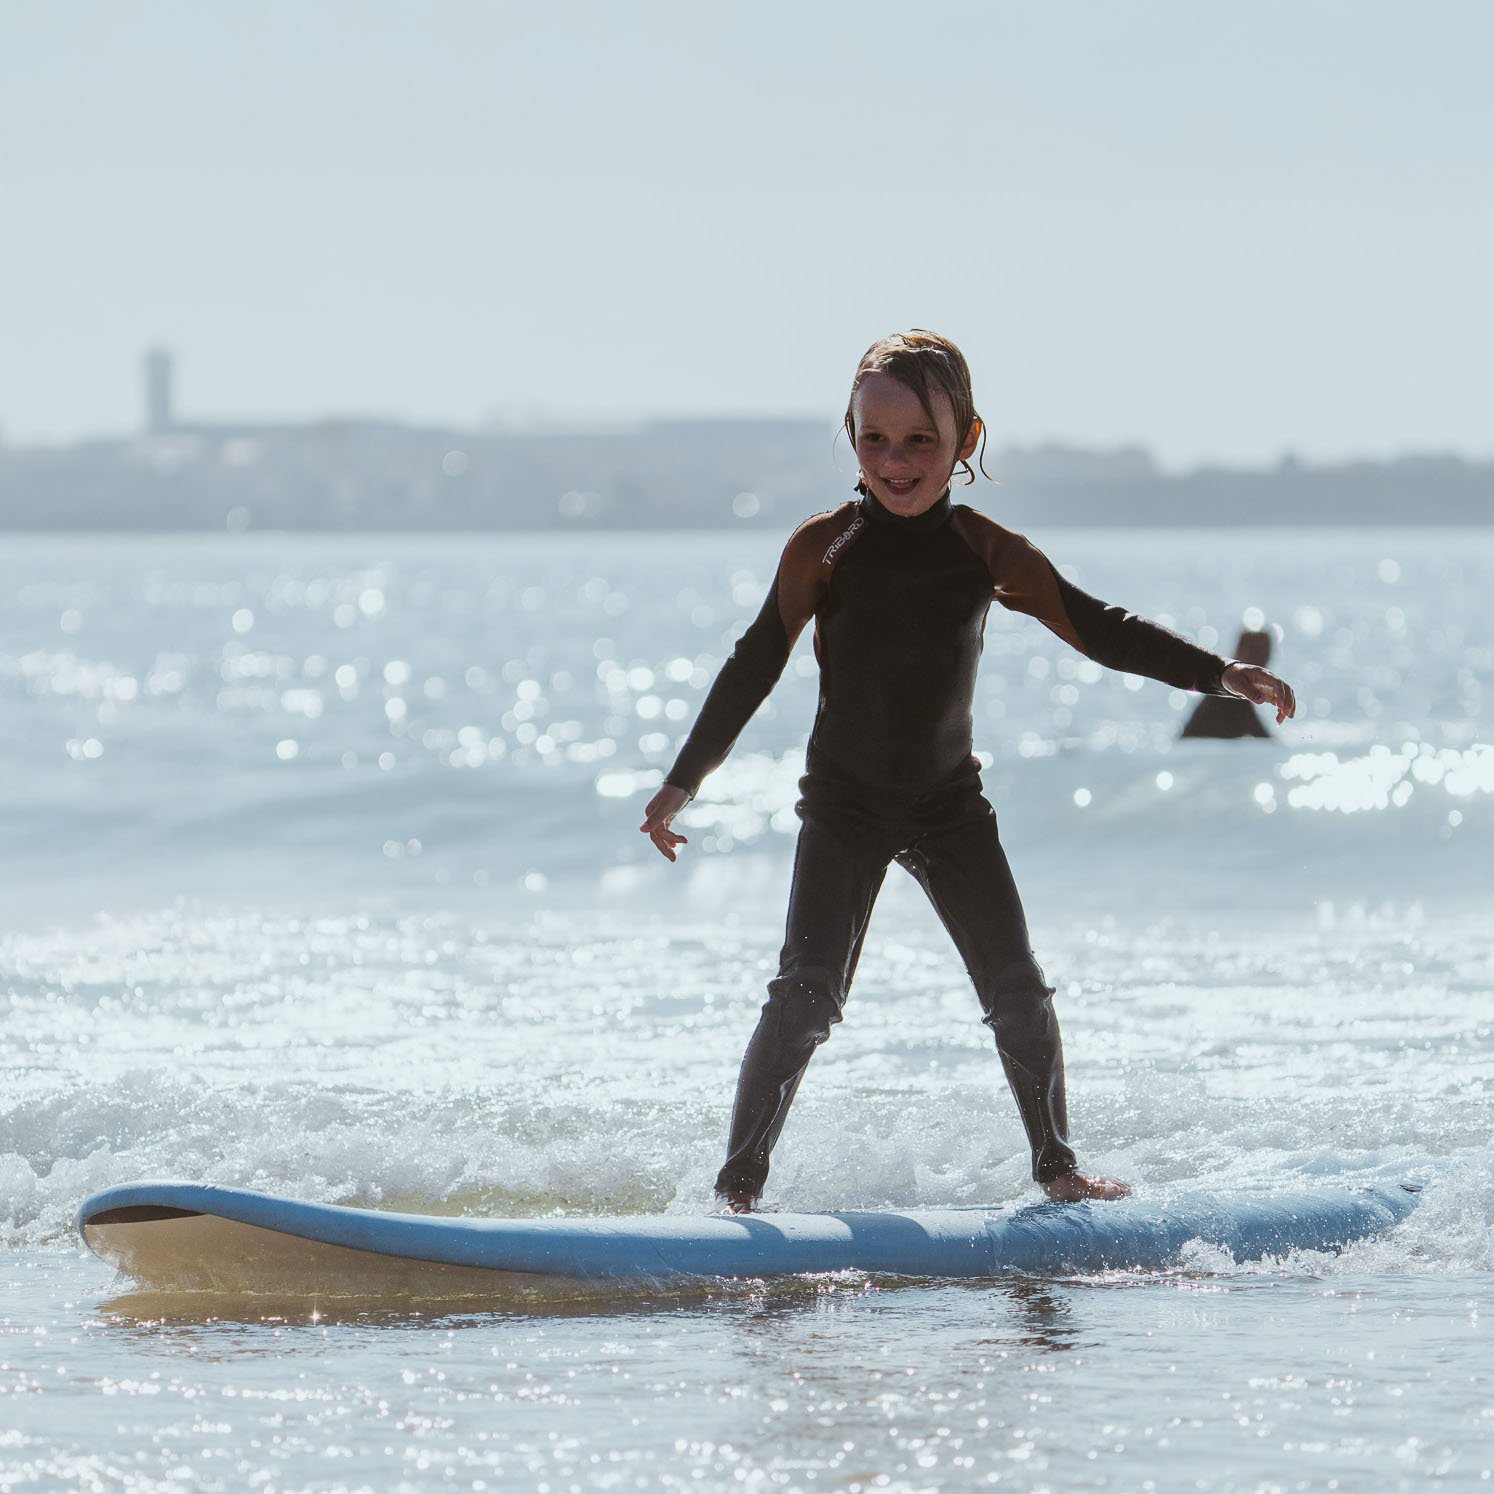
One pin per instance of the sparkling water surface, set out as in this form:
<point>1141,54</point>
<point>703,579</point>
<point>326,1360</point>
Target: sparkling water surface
<point>321,876</point>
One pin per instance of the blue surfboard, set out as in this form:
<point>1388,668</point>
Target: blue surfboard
<point>192,1236</point>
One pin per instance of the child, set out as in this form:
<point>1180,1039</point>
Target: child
<point>898,585</point>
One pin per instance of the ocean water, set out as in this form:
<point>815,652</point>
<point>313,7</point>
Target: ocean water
<point>321,875</point>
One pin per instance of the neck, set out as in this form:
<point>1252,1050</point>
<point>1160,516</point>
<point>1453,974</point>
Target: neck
<point>931,518</point>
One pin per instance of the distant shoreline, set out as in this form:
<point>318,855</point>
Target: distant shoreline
<point>339,477</point>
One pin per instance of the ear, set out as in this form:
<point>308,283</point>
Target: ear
<point>971,441</point>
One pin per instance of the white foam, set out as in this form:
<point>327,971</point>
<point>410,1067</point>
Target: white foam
<point>443,1064</point>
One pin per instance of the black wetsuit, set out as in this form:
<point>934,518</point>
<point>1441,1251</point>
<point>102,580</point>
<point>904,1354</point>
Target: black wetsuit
<point>899,607</point>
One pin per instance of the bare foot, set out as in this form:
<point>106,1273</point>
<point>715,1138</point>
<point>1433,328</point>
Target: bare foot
<point>1071,1187</point>
<point>734,1203</point>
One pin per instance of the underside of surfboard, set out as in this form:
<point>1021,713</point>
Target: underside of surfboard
<point>176,1236</point>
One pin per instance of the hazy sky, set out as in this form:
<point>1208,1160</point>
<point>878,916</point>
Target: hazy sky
<point>1224,229</point>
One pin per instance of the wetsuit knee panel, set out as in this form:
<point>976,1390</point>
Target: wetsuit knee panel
<point>804,1006</point>
<point>1016,997</point>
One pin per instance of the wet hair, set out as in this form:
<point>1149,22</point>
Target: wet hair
<point>924,362</point>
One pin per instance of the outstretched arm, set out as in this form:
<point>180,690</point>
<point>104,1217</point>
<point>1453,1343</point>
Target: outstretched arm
<point>739,689</point>
<point>1025,580</point>
<point>744,681</point>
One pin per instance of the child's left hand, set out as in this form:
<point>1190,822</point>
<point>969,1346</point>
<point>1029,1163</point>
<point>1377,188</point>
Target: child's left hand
<point>1251,682</point>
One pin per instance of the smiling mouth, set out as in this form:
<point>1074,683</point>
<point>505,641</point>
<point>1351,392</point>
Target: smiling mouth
<point>901,485</point>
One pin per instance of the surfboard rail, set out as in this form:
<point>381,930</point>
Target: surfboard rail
<point>187,1235</point>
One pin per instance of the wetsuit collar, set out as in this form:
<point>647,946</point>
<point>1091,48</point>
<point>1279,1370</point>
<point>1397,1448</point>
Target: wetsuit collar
<point>934,518</point>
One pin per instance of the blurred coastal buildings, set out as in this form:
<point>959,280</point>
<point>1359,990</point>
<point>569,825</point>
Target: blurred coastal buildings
<point>353,474</point>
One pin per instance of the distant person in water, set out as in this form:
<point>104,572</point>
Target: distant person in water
<point>1229,716</point>
<point>897,582</point>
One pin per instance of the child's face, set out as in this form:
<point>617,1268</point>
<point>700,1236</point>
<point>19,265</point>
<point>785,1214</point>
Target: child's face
<point>905,461</point>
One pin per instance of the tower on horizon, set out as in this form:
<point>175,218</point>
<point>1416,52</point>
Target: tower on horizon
<point>158,371</point>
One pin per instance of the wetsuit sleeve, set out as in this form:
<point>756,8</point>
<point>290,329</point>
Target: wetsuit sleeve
<point>1025,580</point>
<point>756,662</point>
<point>1122,640</point>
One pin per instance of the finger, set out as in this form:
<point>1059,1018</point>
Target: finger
<point>666,841</point>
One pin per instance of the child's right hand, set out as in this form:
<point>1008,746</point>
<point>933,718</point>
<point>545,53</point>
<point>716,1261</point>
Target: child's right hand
<point>661,811</point>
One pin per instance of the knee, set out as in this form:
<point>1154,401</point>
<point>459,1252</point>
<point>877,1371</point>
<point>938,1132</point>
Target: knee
<point>802,1007</point>
<point>1016,1000</point>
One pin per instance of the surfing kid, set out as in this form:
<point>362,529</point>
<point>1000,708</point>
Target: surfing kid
<point>898,583</point>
